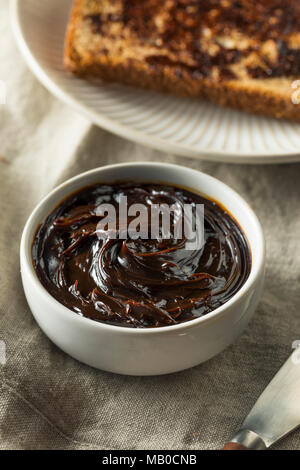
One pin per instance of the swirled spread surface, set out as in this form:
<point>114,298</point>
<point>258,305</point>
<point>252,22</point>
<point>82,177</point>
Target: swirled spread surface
<point>138,283</point>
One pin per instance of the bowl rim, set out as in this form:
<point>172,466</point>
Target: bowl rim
<point>26,244</point>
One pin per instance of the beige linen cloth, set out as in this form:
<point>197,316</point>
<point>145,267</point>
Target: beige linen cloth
<point>50,401</point>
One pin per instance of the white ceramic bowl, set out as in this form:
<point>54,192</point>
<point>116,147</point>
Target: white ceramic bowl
<point>156,350</point>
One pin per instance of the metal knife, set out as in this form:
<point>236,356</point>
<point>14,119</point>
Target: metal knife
<point>275,414</point>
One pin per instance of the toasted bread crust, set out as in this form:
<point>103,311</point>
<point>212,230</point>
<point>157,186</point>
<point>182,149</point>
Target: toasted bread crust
<point>71,57</point>
<point>268,96</point>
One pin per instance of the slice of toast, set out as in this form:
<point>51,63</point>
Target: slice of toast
<point>244,54</point>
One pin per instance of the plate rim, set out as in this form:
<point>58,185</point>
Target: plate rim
<point>127,132</point>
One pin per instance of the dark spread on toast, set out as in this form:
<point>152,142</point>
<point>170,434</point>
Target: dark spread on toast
<point>135,282</point>
<point>196,35</point>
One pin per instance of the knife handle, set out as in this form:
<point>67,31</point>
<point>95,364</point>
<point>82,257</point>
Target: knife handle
<point>246,440</point>
<point>234,446</point>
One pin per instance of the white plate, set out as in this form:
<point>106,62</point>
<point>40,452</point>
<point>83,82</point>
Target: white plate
<point>178,125</point>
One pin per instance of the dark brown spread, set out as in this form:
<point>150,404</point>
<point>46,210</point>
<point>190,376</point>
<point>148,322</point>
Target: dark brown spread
<point>196,35</point>
<point>138,283</point>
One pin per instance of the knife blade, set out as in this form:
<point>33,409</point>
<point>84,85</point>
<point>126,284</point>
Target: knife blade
<point>276,413</point>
